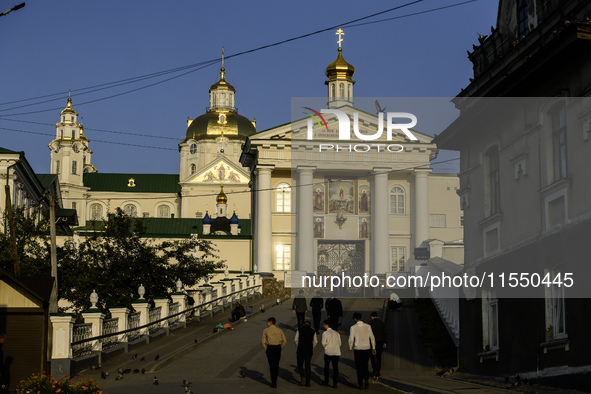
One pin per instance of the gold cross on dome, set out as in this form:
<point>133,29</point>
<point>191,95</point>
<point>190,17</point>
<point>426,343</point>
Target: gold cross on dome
<point>340,33</point>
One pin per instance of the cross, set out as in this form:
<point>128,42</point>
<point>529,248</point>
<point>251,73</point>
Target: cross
<point>222,56</point>
<point>340,33</point>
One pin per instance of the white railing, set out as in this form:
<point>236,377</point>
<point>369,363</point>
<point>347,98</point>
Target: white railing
<point>128,327</point>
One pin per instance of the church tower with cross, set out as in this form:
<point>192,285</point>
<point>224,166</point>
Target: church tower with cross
<point>340,78</point>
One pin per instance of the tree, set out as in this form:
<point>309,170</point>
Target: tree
<point>116,260</point>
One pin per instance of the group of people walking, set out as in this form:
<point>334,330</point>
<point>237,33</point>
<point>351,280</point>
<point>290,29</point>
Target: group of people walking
<point>366,342</point>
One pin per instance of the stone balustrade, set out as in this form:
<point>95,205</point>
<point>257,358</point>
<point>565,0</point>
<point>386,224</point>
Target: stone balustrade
<point>170,312</point>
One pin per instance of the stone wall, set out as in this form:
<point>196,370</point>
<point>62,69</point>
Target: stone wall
<point>273,288</point>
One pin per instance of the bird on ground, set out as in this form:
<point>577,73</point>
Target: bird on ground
<point>119,377</point>
<point>143,359</point>
<point>157,357</point>
<point>120,370</point>
<point>155,381</point>
<point>195,340</point>
<point>143,370</point>
<point>241,374</point>
<point>128,370</point>
<point>186,382</point>
<point>134,356</point>
<point>103,375</point>
<point>136,371</point>
<point>188,390</point>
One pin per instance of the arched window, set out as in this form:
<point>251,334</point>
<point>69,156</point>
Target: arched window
<point>193,149</point>
<point>283,198</point>
<point>193,168</point>
<point>96,211</point>
<point>163,211</point>
<point>333,91</point>
<point>397,201</point>
<point>342,90</point>
<point>130,210</point>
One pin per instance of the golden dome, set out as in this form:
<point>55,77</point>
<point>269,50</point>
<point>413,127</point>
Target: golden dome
<point>222,84</point>
<point>222,198</point>
<point>235,126</point>
<point>69,109</point>
<point>339,69</point>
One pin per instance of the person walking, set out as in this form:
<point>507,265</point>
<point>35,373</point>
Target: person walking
<point>334,311</point>
<point>379,332</point>
<point>300,308</point>
<point>331,342</point>
<point>317,303</point>
<point>273,341</point>
<point>361,340</point>
<point>305,340</point>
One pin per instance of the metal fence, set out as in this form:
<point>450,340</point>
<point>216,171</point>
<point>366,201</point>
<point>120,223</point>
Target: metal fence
<point>82,332</point>
<point>134,323</point>
<point>110,326</point>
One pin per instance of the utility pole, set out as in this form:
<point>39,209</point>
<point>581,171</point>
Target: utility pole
<point>16,7</point>
<point>54,296</point>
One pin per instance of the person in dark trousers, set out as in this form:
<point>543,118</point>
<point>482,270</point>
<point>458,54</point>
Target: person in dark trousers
<point>361,340</point>
<point>317,303</point>
<point>305,340</point>
<point>379,332</point>
<point>334,311</point>
<point>238,312</point>
<point>331,342</point>
<point>273,341</point>
<point>300,307</point>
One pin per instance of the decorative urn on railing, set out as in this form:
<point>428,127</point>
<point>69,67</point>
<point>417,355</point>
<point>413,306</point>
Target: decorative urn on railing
<point>141,291</point>
<point>93,299</point>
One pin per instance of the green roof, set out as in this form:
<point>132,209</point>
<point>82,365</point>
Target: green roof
<point>170,228</point>
<point>144,183</point>
<point>46,179</point>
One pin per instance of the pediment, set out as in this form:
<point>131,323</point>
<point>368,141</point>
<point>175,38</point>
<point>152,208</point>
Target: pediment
<point>220,171</point>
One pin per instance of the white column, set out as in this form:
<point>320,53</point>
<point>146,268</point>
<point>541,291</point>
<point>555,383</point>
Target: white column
<point>263,231</point>
<point>421,199</point>
<point>143,308</point>
<point>181,299</point>
<point>380,235</point>
<point>122,316</point>
<point>305,220</point>
<point>63,330</point>
<point>96,319</point>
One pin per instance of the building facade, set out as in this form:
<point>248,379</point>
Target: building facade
<point>524,188</point>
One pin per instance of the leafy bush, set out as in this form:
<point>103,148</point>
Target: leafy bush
<point>46,384</point>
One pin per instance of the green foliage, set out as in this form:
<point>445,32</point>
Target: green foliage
<point>46,384</point>
<point>116,261</point>
<point>32,244</point>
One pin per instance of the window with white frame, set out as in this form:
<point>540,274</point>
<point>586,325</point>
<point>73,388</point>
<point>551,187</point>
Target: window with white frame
<point>493,188</point>
<point>96,211</point>
<point>555,309</point>
<point>74,167</point>
<point>193,169</point>
<point>397,201</point>
<point>283,198</point>
<point>397,258</point>
<point>130,210</point>
<point>282,257</point>
<point>437,220</point>
<point>163,211</point>
<point>559,151</point>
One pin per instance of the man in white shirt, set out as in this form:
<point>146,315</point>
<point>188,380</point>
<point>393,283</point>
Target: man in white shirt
<point>361,340</point>
<point>331,342</point>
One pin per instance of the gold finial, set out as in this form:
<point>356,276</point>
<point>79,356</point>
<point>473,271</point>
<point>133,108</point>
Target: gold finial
<point>340,33</point>
<point>69,92</point>
<point>222,56</point>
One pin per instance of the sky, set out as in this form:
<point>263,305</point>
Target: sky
<point>49,47</point>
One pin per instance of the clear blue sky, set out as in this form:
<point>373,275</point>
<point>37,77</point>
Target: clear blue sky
<point>50,46</point>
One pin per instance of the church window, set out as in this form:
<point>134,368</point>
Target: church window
<point>96,211</point>
<point>71,118</point>
<point>333,91</point>
<point>193,168</point>
<point>74,167</point>
<point>437,220</point>
<point>349,90</point>
<point>61,133</point>
<point>63,118</point>
<point>193,149</point>
<point>213,101</point>
<point>283,198</point>
<point>397,201</point>
<point>57,167</point>
<point>282,257</point>
<point>163,211</point>
<point>74,206</point>
<point>342,90</point>
<point>397,258</point>
<point>522,23</point>
<point>223,99</point>
<point>559,152</point>
<point>130,210</point>
<point>73,134</point>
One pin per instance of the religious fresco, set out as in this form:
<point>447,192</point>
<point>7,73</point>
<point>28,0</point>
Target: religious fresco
<point>341,196</point>
<point>364,199</point>
<point>318,226</point>
<point>221,172</point>
<point>364,227</point>
<point>318,198</point>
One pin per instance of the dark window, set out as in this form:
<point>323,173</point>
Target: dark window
<point>559,153</point>
<point>522,18</point>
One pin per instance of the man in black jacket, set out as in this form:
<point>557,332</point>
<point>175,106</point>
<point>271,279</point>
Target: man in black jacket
<point>300,307</point>
<point>334,310</point>
<point>317,303</point>
<point>238,312</point>
<point>305,340</point>
<point>379,332</point>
